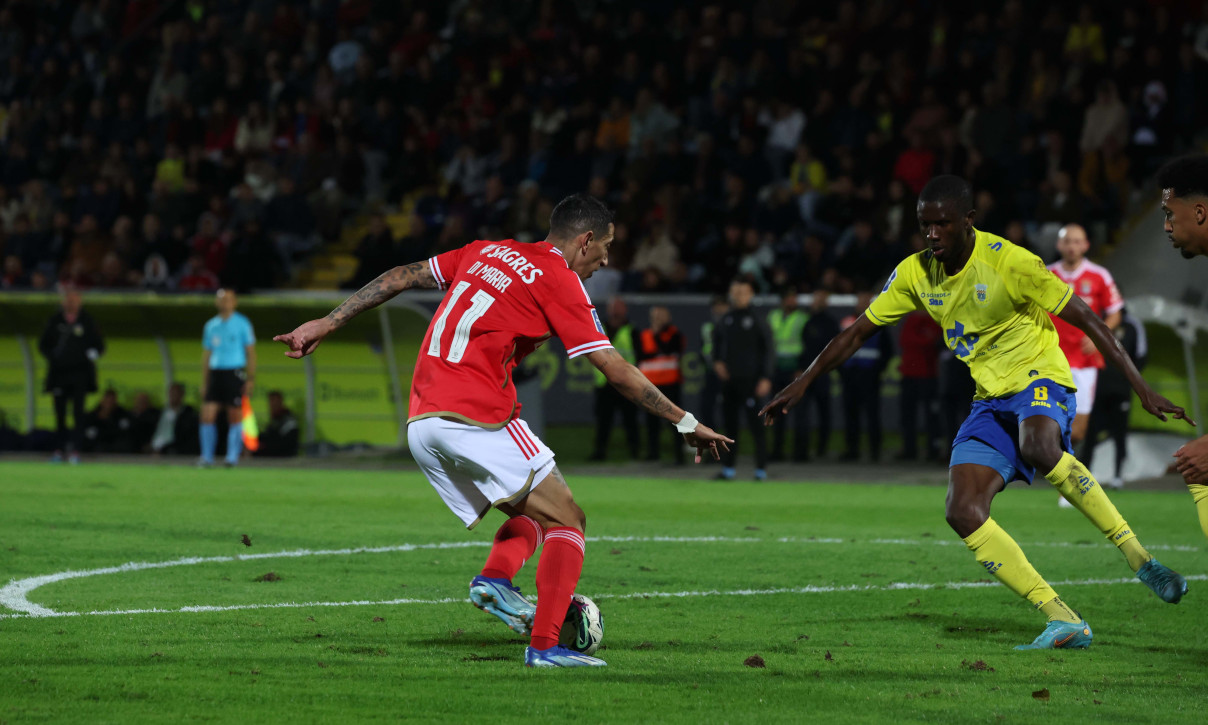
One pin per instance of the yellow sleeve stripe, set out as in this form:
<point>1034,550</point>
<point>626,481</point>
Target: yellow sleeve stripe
<point>1069,291</point>
<point>874,319</point>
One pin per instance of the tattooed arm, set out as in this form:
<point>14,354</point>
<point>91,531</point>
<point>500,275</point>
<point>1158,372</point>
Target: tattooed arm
<point>631,383</point>
<point>385,287</point>
<point>303,340</point>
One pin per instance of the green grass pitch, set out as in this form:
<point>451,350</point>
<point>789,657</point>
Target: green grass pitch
<point>859,602</point>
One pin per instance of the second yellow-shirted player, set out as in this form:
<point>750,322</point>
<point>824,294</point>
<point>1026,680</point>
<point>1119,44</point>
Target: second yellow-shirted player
<point>992,299</point>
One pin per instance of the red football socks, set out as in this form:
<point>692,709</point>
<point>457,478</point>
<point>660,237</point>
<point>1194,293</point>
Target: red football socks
<point>557,575</point>
<point>514,543</point>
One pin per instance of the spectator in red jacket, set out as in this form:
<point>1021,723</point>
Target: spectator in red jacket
<point>920,341</point>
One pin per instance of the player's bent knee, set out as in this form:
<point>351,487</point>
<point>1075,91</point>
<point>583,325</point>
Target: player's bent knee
<point>964,518</point>
<point>573,517</point>
<point>1043,454</point>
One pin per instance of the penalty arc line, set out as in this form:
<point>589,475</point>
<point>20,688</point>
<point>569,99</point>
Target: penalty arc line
<point>15,595</point>
<point>893,587</point>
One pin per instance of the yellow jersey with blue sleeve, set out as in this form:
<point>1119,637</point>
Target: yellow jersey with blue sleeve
<point>994,312</point>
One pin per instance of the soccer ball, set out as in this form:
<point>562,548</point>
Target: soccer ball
<point>583,629</point>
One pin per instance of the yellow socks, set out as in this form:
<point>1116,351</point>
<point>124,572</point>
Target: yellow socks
<point>1080,488</point>
<point>1055,609</point>
<point>1002,557</point>
<point>1199,494</point>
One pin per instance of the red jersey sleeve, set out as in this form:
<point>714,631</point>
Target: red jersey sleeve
<point>1109,295</point>
<point>572,317</point>
<point>445,266</point>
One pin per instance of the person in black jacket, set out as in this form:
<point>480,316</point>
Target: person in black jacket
<point>819,330</point>
<point>107,427</point>
<point>71,344</point>
<point>861,378</point>
<point>743,360</point>
<point>1113,396</point>
<point>279,438</point>
<point>176,430</point>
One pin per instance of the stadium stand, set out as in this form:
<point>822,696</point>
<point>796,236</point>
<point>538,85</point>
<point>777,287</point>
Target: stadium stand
<point>185,144</point>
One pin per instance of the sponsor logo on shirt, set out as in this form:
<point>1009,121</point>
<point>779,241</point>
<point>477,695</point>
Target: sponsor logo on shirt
<point>959,342</point>
<point>525,270</point>
<point>935,302</point>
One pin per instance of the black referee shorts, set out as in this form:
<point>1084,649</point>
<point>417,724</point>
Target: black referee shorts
<point>225,387</point>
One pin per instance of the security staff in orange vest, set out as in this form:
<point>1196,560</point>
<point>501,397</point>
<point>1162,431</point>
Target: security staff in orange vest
<point>659,350</point>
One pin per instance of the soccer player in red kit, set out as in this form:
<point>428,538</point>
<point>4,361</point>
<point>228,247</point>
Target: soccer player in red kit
<point>1094,284</point>
<point>504,300</point>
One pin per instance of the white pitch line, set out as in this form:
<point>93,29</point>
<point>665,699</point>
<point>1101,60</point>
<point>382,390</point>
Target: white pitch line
<point>892,587</point>
<point>1026,545</point>
<point>15,595</point>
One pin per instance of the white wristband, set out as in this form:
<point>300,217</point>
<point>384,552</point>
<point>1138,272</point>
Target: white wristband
<point>687,424</point>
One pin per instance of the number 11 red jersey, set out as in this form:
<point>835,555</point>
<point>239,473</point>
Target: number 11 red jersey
<point>504,300</point>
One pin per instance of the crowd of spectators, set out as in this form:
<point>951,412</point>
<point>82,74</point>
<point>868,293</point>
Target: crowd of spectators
<point>143,427</point>
<point>185,144</point>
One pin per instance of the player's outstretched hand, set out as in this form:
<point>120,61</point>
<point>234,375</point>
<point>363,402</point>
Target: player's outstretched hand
<point>1191,461</point>
<point>782,403</point>
<point>305,338</point>
<point>704,439</point>
<point>1158,407</point>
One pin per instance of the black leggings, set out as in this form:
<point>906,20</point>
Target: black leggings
<point>76,398</point>
<point>1109,415</point>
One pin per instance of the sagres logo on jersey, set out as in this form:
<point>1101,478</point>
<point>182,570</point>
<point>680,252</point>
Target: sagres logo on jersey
<point>979,293</point>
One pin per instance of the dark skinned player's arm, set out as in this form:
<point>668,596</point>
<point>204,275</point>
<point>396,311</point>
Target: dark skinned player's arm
<point>836,352</point>
<point>1078,314</point>
<point>635,386</point>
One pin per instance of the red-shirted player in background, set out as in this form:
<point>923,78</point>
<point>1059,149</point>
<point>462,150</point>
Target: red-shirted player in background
<point>505,299</point>
<point>1094,284</point>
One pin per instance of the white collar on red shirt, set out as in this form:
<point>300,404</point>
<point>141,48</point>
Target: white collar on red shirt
<point>1059,268</point>
<point>558,252</point>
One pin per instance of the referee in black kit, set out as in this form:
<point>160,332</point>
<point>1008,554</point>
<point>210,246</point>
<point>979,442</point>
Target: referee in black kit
<point>743,358</point>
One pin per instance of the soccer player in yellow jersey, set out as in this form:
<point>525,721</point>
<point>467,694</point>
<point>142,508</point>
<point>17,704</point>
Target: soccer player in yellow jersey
<point>1184,183</point>
<point>992,300</point>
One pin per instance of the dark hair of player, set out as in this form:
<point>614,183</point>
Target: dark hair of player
<point>948,188</point>
<point>1185,176</point>
<point>578,214</point>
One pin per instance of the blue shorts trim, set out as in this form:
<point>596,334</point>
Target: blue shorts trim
<point>995,424</point>
<point>975,451</point>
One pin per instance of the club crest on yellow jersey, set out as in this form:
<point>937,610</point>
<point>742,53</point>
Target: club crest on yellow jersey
<point>979,293</point>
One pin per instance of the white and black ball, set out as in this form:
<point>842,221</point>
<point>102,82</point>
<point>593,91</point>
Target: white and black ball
<point>583,629</point>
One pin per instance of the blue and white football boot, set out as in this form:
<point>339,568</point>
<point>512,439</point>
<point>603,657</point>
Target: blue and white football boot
<point>559,656</point>
<point>1062,635</point>
<point>500,598</point>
